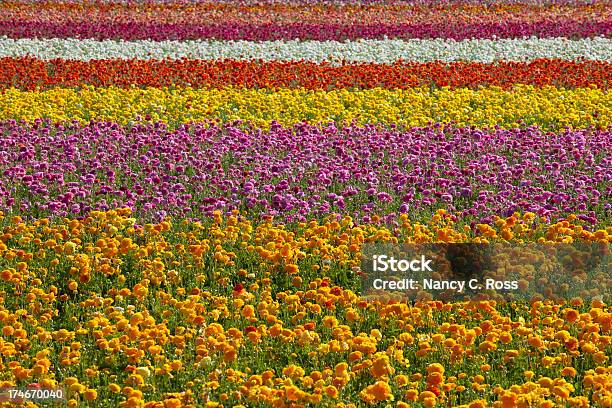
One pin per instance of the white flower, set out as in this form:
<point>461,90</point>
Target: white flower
<point>378,51</point>
<point>205,362</point>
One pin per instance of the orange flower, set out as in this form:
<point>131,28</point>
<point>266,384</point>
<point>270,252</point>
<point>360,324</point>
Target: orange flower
<point>571,315</point>
<point>248,311</point>
<point>381,366</point>
<point>380,391</point>
<point>29,73</point>
<point>293,393</point>
<point>331,391</point>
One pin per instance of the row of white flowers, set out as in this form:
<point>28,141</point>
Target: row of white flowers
<point>378,51</point>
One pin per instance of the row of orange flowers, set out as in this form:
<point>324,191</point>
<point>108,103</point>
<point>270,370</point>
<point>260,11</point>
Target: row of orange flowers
<point>318,12</point>
<point>31,73</point>
<point>232,312</point>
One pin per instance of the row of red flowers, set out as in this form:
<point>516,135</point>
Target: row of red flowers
<point>31,73</point>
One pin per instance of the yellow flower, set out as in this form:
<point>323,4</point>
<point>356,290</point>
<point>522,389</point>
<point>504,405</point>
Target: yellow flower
<point>70,248</point>
<point>548,106</point>
<point>401,380</point>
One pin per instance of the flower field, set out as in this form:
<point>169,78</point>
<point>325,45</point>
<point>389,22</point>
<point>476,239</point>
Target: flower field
<point>187,189</point>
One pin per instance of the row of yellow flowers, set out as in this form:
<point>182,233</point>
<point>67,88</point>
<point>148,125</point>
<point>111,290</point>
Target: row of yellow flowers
<point>232,312</point>
<point>549,107</point>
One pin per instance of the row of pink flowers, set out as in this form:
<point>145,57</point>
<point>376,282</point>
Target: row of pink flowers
<point>319,32</point>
